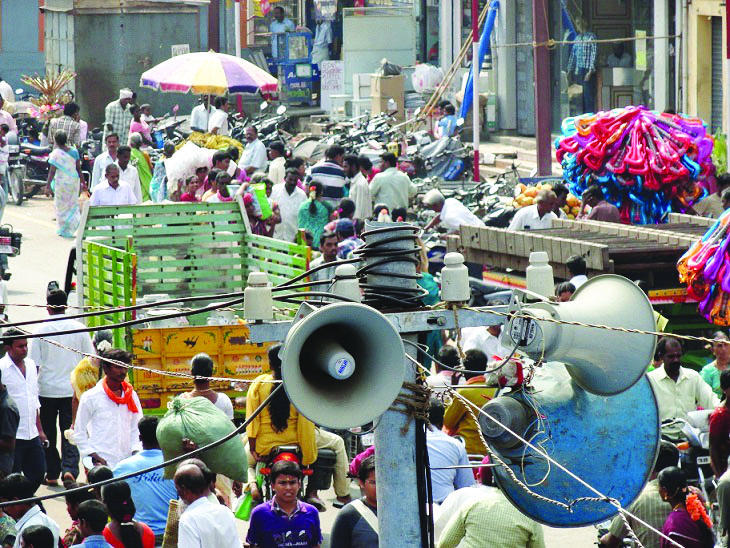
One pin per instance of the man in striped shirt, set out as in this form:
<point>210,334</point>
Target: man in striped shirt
<point>329,172</point>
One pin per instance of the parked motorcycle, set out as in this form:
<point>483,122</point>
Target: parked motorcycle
<point>27,169</point>
<point>9,247</point>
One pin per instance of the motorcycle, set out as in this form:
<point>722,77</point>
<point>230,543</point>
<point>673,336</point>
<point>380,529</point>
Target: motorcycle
<point>27,169</point>
<point>694,449</point>
<point>9,247</point>
<point>318,475</point>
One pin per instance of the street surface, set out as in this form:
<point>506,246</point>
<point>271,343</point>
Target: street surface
<point>43,258</point>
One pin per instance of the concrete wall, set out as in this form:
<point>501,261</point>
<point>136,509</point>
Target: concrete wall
<point>19,51</point>
<point>698,93</point>
<point>525,70</point>
<point>113,50</point>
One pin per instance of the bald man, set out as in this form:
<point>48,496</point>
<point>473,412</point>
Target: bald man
<point>203,523</point>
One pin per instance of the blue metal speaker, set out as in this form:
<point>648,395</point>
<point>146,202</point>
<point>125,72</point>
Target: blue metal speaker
<point>610,442</point>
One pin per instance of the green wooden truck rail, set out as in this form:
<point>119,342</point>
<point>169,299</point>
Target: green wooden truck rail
<point>125,253</point>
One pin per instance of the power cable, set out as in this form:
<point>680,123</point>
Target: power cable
<point>175,460</point>
<point>127,323</point>
<point>116,310</point>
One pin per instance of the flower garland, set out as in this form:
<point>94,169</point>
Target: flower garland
<point>697,510</point>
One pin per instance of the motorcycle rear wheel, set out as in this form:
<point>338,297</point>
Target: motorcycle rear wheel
<point>15,187</point>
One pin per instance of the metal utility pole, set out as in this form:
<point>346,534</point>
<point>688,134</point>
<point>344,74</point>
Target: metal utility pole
<point>476,67</point>
<point>543,108</point>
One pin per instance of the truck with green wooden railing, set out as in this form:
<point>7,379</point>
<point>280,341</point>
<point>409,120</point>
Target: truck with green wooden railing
<point>129,255</point>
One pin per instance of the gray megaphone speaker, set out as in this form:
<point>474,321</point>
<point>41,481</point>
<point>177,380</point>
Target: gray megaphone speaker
<point>592,436</point>
<point>601,361</point>
<point>342,365</point>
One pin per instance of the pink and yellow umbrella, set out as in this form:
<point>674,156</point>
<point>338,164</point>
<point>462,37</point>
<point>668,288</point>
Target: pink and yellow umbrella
<point>208,73</point>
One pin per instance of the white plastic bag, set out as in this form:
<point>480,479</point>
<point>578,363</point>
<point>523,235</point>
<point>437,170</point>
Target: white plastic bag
<point>426,78</point>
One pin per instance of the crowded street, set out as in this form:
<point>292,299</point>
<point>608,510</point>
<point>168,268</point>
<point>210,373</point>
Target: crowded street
<point>44,258</point>
<point>364,274</point>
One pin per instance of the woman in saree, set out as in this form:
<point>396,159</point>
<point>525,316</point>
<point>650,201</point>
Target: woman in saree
<point>65,181</point>
<point>141,160</point>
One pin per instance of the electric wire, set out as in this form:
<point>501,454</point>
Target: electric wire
<point>175,460</point>
<point>128,323</point>
<point>116,310</point>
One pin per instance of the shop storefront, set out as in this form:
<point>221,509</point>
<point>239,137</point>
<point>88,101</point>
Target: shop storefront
<point>623,53</point>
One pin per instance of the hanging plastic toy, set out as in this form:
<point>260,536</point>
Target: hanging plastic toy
<point>647,163</point>
<point>705,269</point>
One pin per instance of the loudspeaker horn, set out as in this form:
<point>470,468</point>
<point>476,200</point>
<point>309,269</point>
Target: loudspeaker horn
<point>601,361</point>
<point>591,435</point>
<point>343,365</point>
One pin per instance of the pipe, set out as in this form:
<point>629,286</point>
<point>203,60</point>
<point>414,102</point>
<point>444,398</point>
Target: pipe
<point>476,68</point>
<point>237,26</point>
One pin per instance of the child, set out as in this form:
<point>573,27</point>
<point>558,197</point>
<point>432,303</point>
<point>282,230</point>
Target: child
<point>73,534</point>
<point>92,519</point>
<point>447,124</point>
<point>191,189</point>
<point>147,114</point>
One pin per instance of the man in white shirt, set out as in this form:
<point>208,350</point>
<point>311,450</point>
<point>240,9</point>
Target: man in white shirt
<point>577,268</point>
<point>112,191</point>
<point>106,421</point>
<point>254,155</point>
<point>20,377</point>
<point>6,91</point>
<point>391,187</point>
<point>200,115</point>
<point>277,169</point>
<point>55,365</point>
<point>678,390</point>
<point>485,339</point>
<point>218,121</point>
<point>7,118</point>
<point>203,524</point>
<point>128,173</point>
<point>106,158</point>
<point>450,213</point>
<point>18,487</point>
<point>289,197</point>
<point>537,216</point>
<point>359,187</point>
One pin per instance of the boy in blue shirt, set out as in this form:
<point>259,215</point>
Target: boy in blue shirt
<point>92,520</point>
<point>447,123</point>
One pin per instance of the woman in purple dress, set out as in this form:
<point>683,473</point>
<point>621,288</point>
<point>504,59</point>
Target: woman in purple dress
<point>688,523</point>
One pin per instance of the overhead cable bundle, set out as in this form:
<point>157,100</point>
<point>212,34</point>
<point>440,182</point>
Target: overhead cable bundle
<point>647,163</point>
<point>705,268</point>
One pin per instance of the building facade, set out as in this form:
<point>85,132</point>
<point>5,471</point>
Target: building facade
<point>110,44</point>
<point>22,49</point>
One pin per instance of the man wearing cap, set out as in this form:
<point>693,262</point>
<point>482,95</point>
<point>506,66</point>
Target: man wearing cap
<point>117,116</point>
<point>346,238</point>
<point>450,213</point>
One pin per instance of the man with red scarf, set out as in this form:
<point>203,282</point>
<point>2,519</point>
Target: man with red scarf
<point>106,421</point>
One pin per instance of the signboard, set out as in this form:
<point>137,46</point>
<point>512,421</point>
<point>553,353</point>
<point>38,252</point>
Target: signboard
<point>180,49</point>
<point>333,81</point>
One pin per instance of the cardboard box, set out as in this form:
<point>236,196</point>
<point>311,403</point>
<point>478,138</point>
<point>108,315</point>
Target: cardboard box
<point>388,86</point>
<point>380,104</point>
